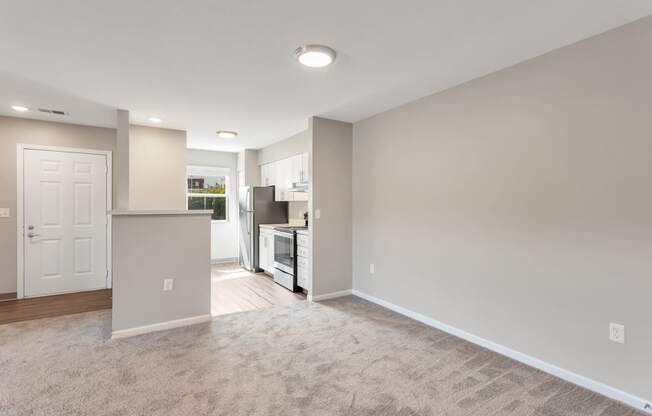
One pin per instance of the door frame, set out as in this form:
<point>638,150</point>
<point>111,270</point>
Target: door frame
<point>20,231</point>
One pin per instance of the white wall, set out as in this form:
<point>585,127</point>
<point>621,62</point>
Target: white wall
<point>224,235</point>
<point>517,207</point>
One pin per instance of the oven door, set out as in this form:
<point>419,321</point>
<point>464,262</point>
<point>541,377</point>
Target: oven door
<point>284,252</point>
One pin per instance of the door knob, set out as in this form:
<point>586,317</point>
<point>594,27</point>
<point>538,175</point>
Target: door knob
<point>31,235</point>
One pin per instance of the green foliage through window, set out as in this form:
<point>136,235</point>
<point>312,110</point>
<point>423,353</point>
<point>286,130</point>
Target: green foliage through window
<point>218,205</point>
<point>208,192</point>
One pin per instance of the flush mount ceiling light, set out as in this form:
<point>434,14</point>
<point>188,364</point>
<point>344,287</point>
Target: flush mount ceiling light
<point>225,134</point>
<point>315,56</point>
<point>19,108</point>
<point>154,119</point>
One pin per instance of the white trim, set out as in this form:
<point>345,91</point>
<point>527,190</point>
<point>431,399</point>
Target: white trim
<point>20,229</point>
<point>331,295</point>
<point>224,260</point>
<point>20,247</point>
<point>161,326</point>
<point>109,220</point>
<point>211,171</point>
<point>564,374</point>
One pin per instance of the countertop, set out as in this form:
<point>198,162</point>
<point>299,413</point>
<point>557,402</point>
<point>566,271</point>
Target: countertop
<point>272,226</point>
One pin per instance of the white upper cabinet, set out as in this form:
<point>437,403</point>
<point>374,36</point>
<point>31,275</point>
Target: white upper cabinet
<point>283,174</point>
<point>264,175</point>
<point>304,162</point>
<point>296,168</point>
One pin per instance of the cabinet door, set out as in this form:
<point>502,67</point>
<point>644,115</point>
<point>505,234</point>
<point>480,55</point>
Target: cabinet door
<point>270,252</point>
<point>305,173</point>
<point>274,175</point>
<point>296,169</point>
<point>284,178</point>
<point>262,250</point>
<point>264,175</point>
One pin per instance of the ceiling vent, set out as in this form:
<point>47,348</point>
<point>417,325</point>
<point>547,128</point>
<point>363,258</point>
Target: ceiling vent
<point>56,112</point>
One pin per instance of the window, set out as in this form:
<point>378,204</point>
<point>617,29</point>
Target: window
<point>207,188</point>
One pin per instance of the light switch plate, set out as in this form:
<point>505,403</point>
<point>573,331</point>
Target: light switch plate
<point>168,284</point>
<point>5,212</point>
<point>317,214</point>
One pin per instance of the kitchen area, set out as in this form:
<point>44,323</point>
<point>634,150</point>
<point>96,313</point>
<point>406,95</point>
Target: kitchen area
<point>274,255</point>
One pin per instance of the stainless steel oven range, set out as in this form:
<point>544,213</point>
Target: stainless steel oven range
<point>285,260</point>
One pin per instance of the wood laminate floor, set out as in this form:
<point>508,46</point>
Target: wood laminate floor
<point>56,305</point>
<point>234,289</point>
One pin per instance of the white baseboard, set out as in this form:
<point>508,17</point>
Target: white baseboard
<point>224,260</point>
<point>331,295</point>
<point>162,326</point>
<point>587,383</point>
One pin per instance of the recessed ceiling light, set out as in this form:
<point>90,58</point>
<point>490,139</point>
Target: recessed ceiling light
<point>315,56</point>
<point>19,108</point>
<point>225,134</point>
<point>154,119</point>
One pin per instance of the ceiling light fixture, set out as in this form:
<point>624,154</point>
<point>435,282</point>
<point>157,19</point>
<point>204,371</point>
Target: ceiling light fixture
<point>315,56</point>
<point>154,119</point>
<point>19,108</point>
<point>225,134</point>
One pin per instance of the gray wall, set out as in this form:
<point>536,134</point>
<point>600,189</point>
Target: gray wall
<point>18,130</point>
<point>157,168</point>
<point>224,235</point>
<point>517,207</point>
<point>150,248</point>
<point>293,145</point>
<point>248,171</point>
<point>331,194</point>
<point>121,161</point>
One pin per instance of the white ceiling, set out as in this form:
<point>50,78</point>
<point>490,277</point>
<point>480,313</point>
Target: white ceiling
<point>214,65</point>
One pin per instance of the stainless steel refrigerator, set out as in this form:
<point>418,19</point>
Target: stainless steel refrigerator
<point>257,206</point>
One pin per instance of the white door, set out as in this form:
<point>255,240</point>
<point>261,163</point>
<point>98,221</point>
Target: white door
<point>65,214</point>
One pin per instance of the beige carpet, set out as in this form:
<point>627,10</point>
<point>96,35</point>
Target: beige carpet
<point>340,357</point>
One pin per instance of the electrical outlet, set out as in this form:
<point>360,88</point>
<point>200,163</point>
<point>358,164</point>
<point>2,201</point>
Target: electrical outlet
<point>617,333</point>
<point>5,212</point>
<point>372,268</point>
<point>168,284</point>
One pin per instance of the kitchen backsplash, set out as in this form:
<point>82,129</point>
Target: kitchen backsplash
<point>296,210</point>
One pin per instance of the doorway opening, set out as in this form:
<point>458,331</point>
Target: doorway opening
<point>63,229</point>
